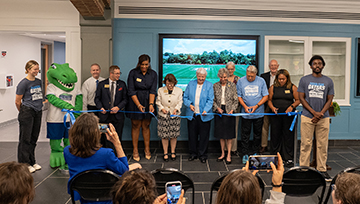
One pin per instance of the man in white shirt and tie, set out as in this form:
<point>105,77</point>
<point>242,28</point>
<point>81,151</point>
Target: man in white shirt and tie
<point>89,87</point>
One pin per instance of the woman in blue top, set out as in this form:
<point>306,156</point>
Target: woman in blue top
<point>142,83</point>
<point>85,152</point>
<point>198,99</point>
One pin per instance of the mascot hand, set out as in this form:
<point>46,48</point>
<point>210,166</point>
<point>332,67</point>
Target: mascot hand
<point>57,159</point>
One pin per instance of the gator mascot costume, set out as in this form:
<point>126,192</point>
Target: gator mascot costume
<point>61,94</point>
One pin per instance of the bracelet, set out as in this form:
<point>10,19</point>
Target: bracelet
<point>151,104</point>
<point>277,186</point>
<point>257,105</point>
<point>292,106</point>
<point>139,105</point>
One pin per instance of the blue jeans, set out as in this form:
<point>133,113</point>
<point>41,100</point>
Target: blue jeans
<point>29,128</point>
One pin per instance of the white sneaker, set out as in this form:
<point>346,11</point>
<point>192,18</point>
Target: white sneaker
<point>36,167</point>
<point>31,169</point>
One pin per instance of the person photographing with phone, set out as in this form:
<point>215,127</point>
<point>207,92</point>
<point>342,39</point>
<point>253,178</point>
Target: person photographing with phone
<point>139,186</point>
<point>241,186</point>
<point>85,151</point>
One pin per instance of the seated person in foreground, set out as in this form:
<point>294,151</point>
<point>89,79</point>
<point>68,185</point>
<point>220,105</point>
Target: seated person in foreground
<point>346,189</point>
<point>139,187</point>
<point>241,186</point>
<point>16,183</point>
<point>86,153</point>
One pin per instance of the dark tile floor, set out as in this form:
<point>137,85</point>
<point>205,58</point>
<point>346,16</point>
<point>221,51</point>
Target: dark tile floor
<point>51,184</point>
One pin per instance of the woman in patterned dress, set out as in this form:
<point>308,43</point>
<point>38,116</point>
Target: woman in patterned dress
<point>169,101</point>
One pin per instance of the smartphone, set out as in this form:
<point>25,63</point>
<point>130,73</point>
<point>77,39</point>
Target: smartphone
<point>262,162</point>
<point>103,127</point>
<point>173,191</point>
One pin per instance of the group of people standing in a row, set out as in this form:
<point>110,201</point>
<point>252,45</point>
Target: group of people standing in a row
<point>272,92</point>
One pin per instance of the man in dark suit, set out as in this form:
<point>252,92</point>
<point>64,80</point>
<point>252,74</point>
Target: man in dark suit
<point>111,94</point>
<point>269,78</point>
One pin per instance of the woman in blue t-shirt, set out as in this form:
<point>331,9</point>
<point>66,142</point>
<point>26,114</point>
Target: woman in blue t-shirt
<point>28,101</point>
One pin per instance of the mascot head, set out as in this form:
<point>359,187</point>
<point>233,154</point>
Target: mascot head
<point>62,76</point>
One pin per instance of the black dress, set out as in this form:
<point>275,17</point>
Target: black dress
<point>141,86</point>
<point>224,126</point>
<point>282,139</point>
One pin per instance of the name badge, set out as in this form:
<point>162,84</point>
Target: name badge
<point>138,79</point>
<point>165,91</point>
<point>106,86</point>
<point>287,91</point>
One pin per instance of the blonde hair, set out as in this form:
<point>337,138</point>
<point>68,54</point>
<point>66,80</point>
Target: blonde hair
<point>30,65</point>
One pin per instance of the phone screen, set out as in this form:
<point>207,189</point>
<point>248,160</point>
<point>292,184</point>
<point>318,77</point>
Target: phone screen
<point>103,127</point>
<point>262,162</point>
<point>173,191</point>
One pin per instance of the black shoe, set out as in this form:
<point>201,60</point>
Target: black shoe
<point>326,176</point>
<point>203,160</point>
<point>173,158</point>
<point>167,159</point>
<point>191,158</point>
<point>228,162</point>
<point>289,164</point>
<point>220,159</point>
<point>262,150</point>
<point>235,153</point>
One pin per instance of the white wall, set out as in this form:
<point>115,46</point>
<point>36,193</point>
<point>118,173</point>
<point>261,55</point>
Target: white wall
<point>35,16</point>
<point>20,49</point>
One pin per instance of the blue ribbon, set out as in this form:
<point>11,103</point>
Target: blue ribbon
<point>72,117</point>
<point>243,114</point>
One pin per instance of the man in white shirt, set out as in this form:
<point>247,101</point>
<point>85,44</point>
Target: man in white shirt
<point>89,87</point>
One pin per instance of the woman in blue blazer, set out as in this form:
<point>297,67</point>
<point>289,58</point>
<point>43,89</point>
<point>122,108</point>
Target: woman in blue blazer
<point>198,99</point>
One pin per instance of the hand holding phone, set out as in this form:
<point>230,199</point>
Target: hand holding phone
<point>173,191</point>
<point>103,127</point>
<point>262,162</point>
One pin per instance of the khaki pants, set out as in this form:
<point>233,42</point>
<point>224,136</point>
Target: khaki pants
<point>265,128</point>
<point>321,129</point>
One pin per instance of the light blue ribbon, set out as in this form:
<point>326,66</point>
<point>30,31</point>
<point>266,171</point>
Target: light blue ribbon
<point>296,113</point>
<point>72,117</point>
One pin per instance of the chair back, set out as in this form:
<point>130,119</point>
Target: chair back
<point>162,176</point>
<point>355,169</point>
<point>304,181</point>
<point>93,185</point>
<point>217,183</point>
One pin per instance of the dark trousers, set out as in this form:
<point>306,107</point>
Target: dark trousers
<point>118,124</point>
<point>282,139</point>
<point>198,128</point>
<point>29,128</point>
<point>89,107</point>
<point>246,125</point>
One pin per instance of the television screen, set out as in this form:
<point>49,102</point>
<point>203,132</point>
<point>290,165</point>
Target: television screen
<point>182,55</point>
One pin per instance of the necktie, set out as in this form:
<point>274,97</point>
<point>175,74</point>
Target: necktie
<point>97,83</point>
<point>112,94</point>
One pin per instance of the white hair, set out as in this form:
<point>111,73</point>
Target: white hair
<point>223,71</point>
<point>252,69</point>
<point>201,71</point>
<point>230,64</point>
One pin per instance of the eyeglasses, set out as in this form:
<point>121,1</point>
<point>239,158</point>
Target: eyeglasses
<point>333,187</point>
<point>168,84</point>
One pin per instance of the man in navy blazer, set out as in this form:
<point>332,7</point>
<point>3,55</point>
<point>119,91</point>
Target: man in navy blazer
<point>269,78</point>
<point>111,94</point>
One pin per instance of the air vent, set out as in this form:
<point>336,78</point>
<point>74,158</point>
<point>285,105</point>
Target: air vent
<point>238,13</point>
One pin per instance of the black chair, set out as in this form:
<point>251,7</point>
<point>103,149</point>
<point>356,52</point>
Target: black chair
<point>217,183</point>
<point>93,185</point>
<point>301,181</point>
<point>350,169</point>
<point>162,176</point>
